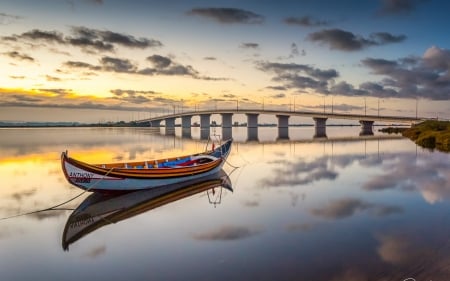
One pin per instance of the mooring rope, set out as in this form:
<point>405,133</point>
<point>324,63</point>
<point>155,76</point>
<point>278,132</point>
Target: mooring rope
<point>55,207</point>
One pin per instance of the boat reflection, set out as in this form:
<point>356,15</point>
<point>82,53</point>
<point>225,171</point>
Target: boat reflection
<point>101,209</point>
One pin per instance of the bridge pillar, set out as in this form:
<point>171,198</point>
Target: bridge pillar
<point>186,121</point>
<point>252,120</point>
<point>283,133</point>
<point>226,120</point>
<point>155,123</point>
<point>169,131</point>
<point>227,133</point>
<point>204,133</point>
<point>252,134</point>
<point>205,121</point>
<point>186,133</point>
<point>320,127</point>
<point>366,127</point>
<point>170,122</point>
<point>283,121</point>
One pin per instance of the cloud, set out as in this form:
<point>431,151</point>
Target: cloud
<point>133,96</point>
<point>277,88</point>
<point>249,46</point>
<point>117,65</point>
<point>87,39</point>
<point>392,7</point>
<point>179,70</point>
<point>306,21</point>
<point>293,68</point>
<point>39,35</point>
<point>295,52</point>
<point>122,100</point>
<point>6,19</point>
<point>79,64</point>
<point>227,233</point>
<point>210,58</point>
<point>52,78</point>
<point>166,66</point>
<point>299,76</point>
<point>279,96</point>
<point>18,56</point>
<point>17,77</point>
<point>437,58</point>
<point>409,77</point>
<point>114,38</point>
<point>161,66</point>
<point>55,92</point>
<point>338,39</point>
<point>345,89</point>
<point>427,76</point>
<point>228,15</point>
<point>337,107</point>
<point>159,61</point>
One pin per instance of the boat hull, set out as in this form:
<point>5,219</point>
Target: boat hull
<point>97,178</point>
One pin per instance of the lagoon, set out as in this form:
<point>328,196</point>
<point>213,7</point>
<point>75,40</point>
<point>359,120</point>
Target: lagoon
<point>340,207</point>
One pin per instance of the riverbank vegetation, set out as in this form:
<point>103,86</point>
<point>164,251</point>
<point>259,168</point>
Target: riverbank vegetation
<point>431,134</point>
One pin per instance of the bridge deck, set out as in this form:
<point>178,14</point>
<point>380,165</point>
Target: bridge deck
<point>359,117</point>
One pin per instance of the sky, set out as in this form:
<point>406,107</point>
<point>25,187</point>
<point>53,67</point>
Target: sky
<point>112,60</point>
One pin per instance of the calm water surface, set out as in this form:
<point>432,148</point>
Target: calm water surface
<point>338,208</point>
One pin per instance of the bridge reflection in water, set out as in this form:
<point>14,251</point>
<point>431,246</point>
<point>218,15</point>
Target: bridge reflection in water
<point>253,134</point>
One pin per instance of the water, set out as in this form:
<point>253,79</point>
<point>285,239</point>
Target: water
<point>343,207</point>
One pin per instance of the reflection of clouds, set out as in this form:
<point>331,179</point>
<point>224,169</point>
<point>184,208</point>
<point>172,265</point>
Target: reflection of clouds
<point>351,274</point>
<point>96,252</point>
<point>294,198</point>
<point>4,233</point>
<point>341,208</point>
<point>249,203</point>
<point>382,211</point>
<point>24,194</point>
<point>299,173</point>
<point>299,227</point>
<point>426,256</point>
<point>26,142</point>
<point>228,232</point>
<point>408,249</point>
<point>397,249</point>
<point>430,174</point>
<point>302,172</point>
<point>48,214</point>
<point>346,207</point>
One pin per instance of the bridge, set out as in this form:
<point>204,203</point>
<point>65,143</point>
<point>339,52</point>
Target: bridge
<point>283,116</point>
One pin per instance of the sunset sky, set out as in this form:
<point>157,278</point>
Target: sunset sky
<point>111,60</point>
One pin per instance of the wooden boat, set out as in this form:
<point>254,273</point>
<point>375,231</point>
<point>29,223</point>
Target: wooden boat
<point>100,209</point>
<point>145,174</point>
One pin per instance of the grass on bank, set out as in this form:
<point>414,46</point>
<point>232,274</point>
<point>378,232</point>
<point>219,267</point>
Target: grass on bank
<point>431,134</point>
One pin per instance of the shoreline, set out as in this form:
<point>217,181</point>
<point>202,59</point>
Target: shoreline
<point>429,134</point>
